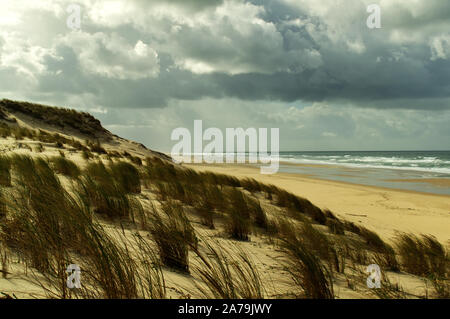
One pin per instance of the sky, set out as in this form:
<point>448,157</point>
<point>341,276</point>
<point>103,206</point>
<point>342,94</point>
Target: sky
<point>313,69</point>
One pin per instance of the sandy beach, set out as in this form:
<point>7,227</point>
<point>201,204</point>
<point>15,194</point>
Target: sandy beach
<point>383,210</point>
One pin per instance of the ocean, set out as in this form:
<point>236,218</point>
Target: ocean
<point>426,161</point>
<point>423,171</point>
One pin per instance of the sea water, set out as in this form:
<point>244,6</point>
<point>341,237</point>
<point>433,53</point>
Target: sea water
<point>376,168</point>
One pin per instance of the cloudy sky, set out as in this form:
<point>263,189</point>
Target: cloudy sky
<point>311,68</point>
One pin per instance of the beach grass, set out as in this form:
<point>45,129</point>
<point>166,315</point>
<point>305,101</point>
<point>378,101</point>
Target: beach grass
<point>228,274</point>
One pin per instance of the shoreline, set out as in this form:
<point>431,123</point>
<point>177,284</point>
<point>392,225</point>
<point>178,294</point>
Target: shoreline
<point>442,182</point>
<point>382,209</point>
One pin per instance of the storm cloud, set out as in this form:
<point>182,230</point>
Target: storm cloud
<point>278,55</point>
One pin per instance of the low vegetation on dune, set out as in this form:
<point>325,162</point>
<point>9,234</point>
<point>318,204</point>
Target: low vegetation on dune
<point>64,166</point>
<point>173,234</point>
<point>60,117</point>
<point>227,274</point>
<point>5,174</point>
<point>49,225</point>
<point>148,228</point>
<point>309,275</point>
<point>108,190</point>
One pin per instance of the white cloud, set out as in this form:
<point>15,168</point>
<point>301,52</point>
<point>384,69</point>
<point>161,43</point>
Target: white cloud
<point>356,46</point>
<point>25,57</point>
<point>230,38</point>
<point>112,56</point>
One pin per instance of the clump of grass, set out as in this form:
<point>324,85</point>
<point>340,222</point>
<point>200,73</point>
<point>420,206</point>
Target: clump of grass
<point>5,129</point>
<point>31,227</point>
<point>39,148</point>
<point>108,200</point>
<point>25,146</point>
<point>204,206</point>
<point>76,144</point>
<point>314,239</point>
<point>308,273</point>
<point>317,242</point>
<point>3,261</point>
<point>423,256</point>
<point>136,160</point>
<point>228,275</point>
<point>441,287</point>
<point>173,235</point>
<point>218,179</point>
<point>351,227</point>
<point>251,185</point>
<point>298,204</point>
<point>5,174</point>
<point>107,194</point>
<point>238,216</point>
<point>114,154</point>
<point>384,254</point>
<point>161,191</point>
<point>110,266</point>
<point>388,290</point>
<point>207,199</point>
<point>386,258</point>
<point>151,276</point>
<point>21,133</point>
<point>335,226</point>
<point>96,147</point>
<point>157,170</point>
<point>3,209</point>
<point>99,172</point>
<point>258,214</point>
<point>127,175</point>
<point>372,239</point>
<point>64,166</point>
<point>86,155</point>
<point>357,253</point>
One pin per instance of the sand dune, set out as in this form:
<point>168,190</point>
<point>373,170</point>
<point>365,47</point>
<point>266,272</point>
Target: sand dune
<point>383,210</point>
<point>122,207</point>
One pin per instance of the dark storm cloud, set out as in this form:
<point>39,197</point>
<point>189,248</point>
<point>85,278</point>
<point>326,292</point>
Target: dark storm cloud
<point>390,84</point>
<point>280,50</point>
<point>311,68</point>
